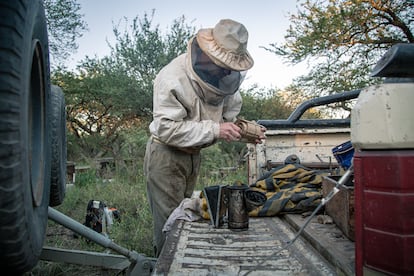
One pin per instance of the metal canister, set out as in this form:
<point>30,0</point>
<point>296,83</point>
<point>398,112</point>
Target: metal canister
<point>238,217</point>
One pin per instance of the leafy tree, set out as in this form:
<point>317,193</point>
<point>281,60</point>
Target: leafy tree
<point>141,50</point>
<point>266,104</point>
<point>95,114</point>
<point>107,97</point>
<point>343,39</point>
<point>65,26</point>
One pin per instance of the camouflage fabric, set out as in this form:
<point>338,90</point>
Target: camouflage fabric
<point>204,207</point>
<point>290,188</point>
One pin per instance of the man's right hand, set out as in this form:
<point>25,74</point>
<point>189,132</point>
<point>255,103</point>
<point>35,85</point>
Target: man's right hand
<point>229,132</point>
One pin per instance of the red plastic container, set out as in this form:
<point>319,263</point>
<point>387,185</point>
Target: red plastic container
<point>384,211</point>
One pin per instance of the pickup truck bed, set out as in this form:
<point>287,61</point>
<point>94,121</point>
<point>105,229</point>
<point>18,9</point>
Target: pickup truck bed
<point>197,248</point>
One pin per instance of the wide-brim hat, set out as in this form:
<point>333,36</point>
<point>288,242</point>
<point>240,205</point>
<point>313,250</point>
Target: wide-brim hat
<point>226,45</point>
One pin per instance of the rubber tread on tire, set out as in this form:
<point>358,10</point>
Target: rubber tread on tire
<point>58,121</point>
<point>24,134</point>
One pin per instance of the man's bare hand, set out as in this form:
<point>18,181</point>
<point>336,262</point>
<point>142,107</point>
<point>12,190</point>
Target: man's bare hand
<point>229,132</point>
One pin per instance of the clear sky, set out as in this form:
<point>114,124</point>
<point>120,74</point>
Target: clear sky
<point>266,21</point>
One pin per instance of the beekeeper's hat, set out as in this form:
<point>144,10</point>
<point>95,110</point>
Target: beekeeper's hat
<point>226,45</point>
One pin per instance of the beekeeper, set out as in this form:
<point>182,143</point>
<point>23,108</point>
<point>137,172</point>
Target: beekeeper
<point>196,101</point>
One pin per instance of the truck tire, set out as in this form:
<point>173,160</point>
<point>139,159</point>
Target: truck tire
<point>24,134</point>
<point>58,121</point>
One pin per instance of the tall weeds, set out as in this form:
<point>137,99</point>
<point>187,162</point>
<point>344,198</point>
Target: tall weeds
<point>125,191</point>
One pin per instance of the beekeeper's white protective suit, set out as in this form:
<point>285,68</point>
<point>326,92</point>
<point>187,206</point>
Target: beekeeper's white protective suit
<point>194,96</point>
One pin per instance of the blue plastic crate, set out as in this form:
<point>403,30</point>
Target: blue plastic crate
<point>344,154</point>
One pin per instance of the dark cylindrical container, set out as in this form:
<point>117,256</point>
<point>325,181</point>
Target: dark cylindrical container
<point>254,199</point>
<point>238,218</point>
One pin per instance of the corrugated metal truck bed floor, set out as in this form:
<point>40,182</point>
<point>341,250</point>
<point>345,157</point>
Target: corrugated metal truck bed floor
<point>197,248</point>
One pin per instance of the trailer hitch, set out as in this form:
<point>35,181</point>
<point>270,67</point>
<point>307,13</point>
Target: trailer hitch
<point>131,261</point>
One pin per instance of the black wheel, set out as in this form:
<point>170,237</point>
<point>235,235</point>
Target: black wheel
<point>24,133</point>
<point>58,121</point>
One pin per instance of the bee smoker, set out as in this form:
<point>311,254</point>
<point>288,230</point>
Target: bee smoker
<point>238,217</point>
<point>234,201</point>
<point>242,200</point>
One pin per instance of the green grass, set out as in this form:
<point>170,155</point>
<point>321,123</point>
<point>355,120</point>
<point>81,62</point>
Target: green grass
<point>126,192</point>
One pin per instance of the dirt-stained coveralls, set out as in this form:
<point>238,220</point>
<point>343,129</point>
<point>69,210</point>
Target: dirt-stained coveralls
<point>189,106</point>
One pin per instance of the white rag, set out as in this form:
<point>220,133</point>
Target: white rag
<point>188,210</point>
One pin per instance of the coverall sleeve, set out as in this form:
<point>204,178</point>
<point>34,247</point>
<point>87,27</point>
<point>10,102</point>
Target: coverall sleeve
<point>170,123</point>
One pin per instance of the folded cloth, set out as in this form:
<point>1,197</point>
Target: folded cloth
<point>290,188</point>
<point>188,210</point>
